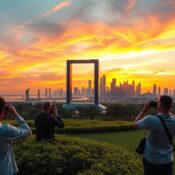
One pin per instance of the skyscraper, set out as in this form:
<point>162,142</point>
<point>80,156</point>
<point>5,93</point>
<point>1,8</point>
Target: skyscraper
<point>133,87</point>
<point>154,89</point>
<point>38,94</point>
<point>89,88</point>
<point>27,93</point>
<point>75,91</point>
<point>113,87</point>
<point>50,92</point>
<point>46,92</point>
<point>83,91</point>
<point>138,89</point>
<point>165,91</point>
<point>103,86</point>
<point>159,91</point>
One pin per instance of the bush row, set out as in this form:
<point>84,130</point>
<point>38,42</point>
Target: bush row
<point>115,111</point>
<point>74,156</point>
<point>73,126</point>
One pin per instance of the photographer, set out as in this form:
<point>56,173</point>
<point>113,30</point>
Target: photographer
<point>158,155</point>
<point>45,123</point>
<point>9,133</point>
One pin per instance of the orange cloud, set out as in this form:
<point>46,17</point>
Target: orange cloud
<point>143,51</point>
<point>57,8</point>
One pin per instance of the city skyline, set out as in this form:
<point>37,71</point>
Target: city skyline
<point>133,39</point>
<point>114,89</point>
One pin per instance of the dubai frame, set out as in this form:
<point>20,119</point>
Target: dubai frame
<point>69,104</point>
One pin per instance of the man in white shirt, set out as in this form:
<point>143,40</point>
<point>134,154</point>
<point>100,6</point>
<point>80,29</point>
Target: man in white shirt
<point>158,155</point>
<point>9,133</point>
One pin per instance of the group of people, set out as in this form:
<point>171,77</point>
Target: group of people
<point>158,150</point>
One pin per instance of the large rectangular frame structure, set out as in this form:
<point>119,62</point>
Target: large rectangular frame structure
<point>69,78</point>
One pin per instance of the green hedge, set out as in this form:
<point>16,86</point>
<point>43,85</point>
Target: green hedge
<point>74,126</point>
<point>74,156</point>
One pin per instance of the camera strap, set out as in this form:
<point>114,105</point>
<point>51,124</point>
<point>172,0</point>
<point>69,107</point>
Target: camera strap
<point>167,132</point>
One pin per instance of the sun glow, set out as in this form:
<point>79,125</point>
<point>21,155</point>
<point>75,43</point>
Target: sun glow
<point>138,46</point>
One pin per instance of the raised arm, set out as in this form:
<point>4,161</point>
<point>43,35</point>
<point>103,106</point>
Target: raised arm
<point>142,113</point>
<point>13,133</point>
<point>56,119</point>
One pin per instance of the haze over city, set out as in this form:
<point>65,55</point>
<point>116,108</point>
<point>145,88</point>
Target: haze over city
<point>133,40</point>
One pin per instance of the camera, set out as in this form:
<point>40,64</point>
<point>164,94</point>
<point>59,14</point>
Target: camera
<point>153,104</point>
<point>52,108</point>
<point>6,109</point>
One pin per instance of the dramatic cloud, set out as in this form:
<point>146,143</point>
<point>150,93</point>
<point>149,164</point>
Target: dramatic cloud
<point>132,39</point>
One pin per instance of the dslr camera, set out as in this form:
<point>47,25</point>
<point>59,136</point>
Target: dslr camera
<point>153,104</point>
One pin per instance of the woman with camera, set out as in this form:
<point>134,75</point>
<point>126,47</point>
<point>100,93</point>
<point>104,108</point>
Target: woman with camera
<point>158,146</point>
<point>9,133</point>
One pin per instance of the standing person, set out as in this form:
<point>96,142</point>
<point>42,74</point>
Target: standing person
<point>158,155</point>
<point>9,133</point>
<point>46,122</point>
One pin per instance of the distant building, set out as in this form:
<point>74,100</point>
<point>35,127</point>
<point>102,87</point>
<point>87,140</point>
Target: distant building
<point>165,91</point>
<point>75,91</point>
<point>38,94</point>
<point>155,90</point>
<point>103,86</point>
<point>50,92</point>
<point>89,88</point>
<point>27,94</point>
<point>113,87</point>
<point>46,92</point>
<point>138,89</point>
<point>159,91</point>
<point>133,87</point>
<point>83,91</point>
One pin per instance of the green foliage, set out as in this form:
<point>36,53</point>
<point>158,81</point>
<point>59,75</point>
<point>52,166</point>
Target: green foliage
<point>123,111</point>
<point>72,156</point>
<point>114,111</point>
<point>74,126</point>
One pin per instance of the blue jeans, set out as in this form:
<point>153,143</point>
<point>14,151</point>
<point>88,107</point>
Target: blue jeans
<point>155,169</point>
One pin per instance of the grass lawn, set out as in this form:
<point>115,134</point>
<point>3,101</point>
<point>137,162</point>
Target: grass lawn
<point>126,139</point>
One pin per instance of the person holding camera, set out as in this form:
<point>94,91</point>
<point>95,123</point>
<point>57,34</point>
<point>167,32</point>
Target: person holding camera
<point>9,133</point>
<point>46,122</point>
<point>158,150</point>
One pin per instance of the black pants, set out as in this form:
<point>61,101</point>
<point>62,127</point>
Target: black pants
<point>154,169</point>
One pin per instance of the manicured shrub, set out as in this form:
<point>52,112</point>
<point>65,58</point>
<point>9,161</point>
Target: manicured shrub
<point>74,126</point>
<point>72,156</point>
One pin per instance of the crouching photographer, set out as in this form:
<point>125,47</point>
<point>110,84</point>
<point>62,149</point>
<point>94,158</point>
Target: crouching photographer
<point>158,145</point>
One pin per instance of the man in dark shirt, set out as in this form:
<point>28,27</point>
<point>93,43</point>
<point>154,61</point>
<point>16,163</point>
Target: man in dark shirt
<point>45,123</point>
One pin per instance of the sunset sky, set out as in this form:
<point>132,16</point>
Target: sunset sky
<point>133,39</point>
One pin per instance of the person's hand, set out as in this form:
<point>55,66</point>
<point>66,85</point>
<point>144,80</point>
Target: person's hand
<point>12,111</point>
<point>172,114</point>
<point>54,110</point>
<point>146,107</point>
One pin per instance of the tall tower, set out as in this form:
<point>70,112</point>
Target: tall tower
<point>104,85</point>
<point>113,87</point>
<point>89,88</point>
<point>154,89</point>
<point>133,87</point>
<point>50,92</point>
<point>138,89</point>
<point>159,91</point>
<point>27,93</point>
<point>46,92</point>
<point>38,94</point>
